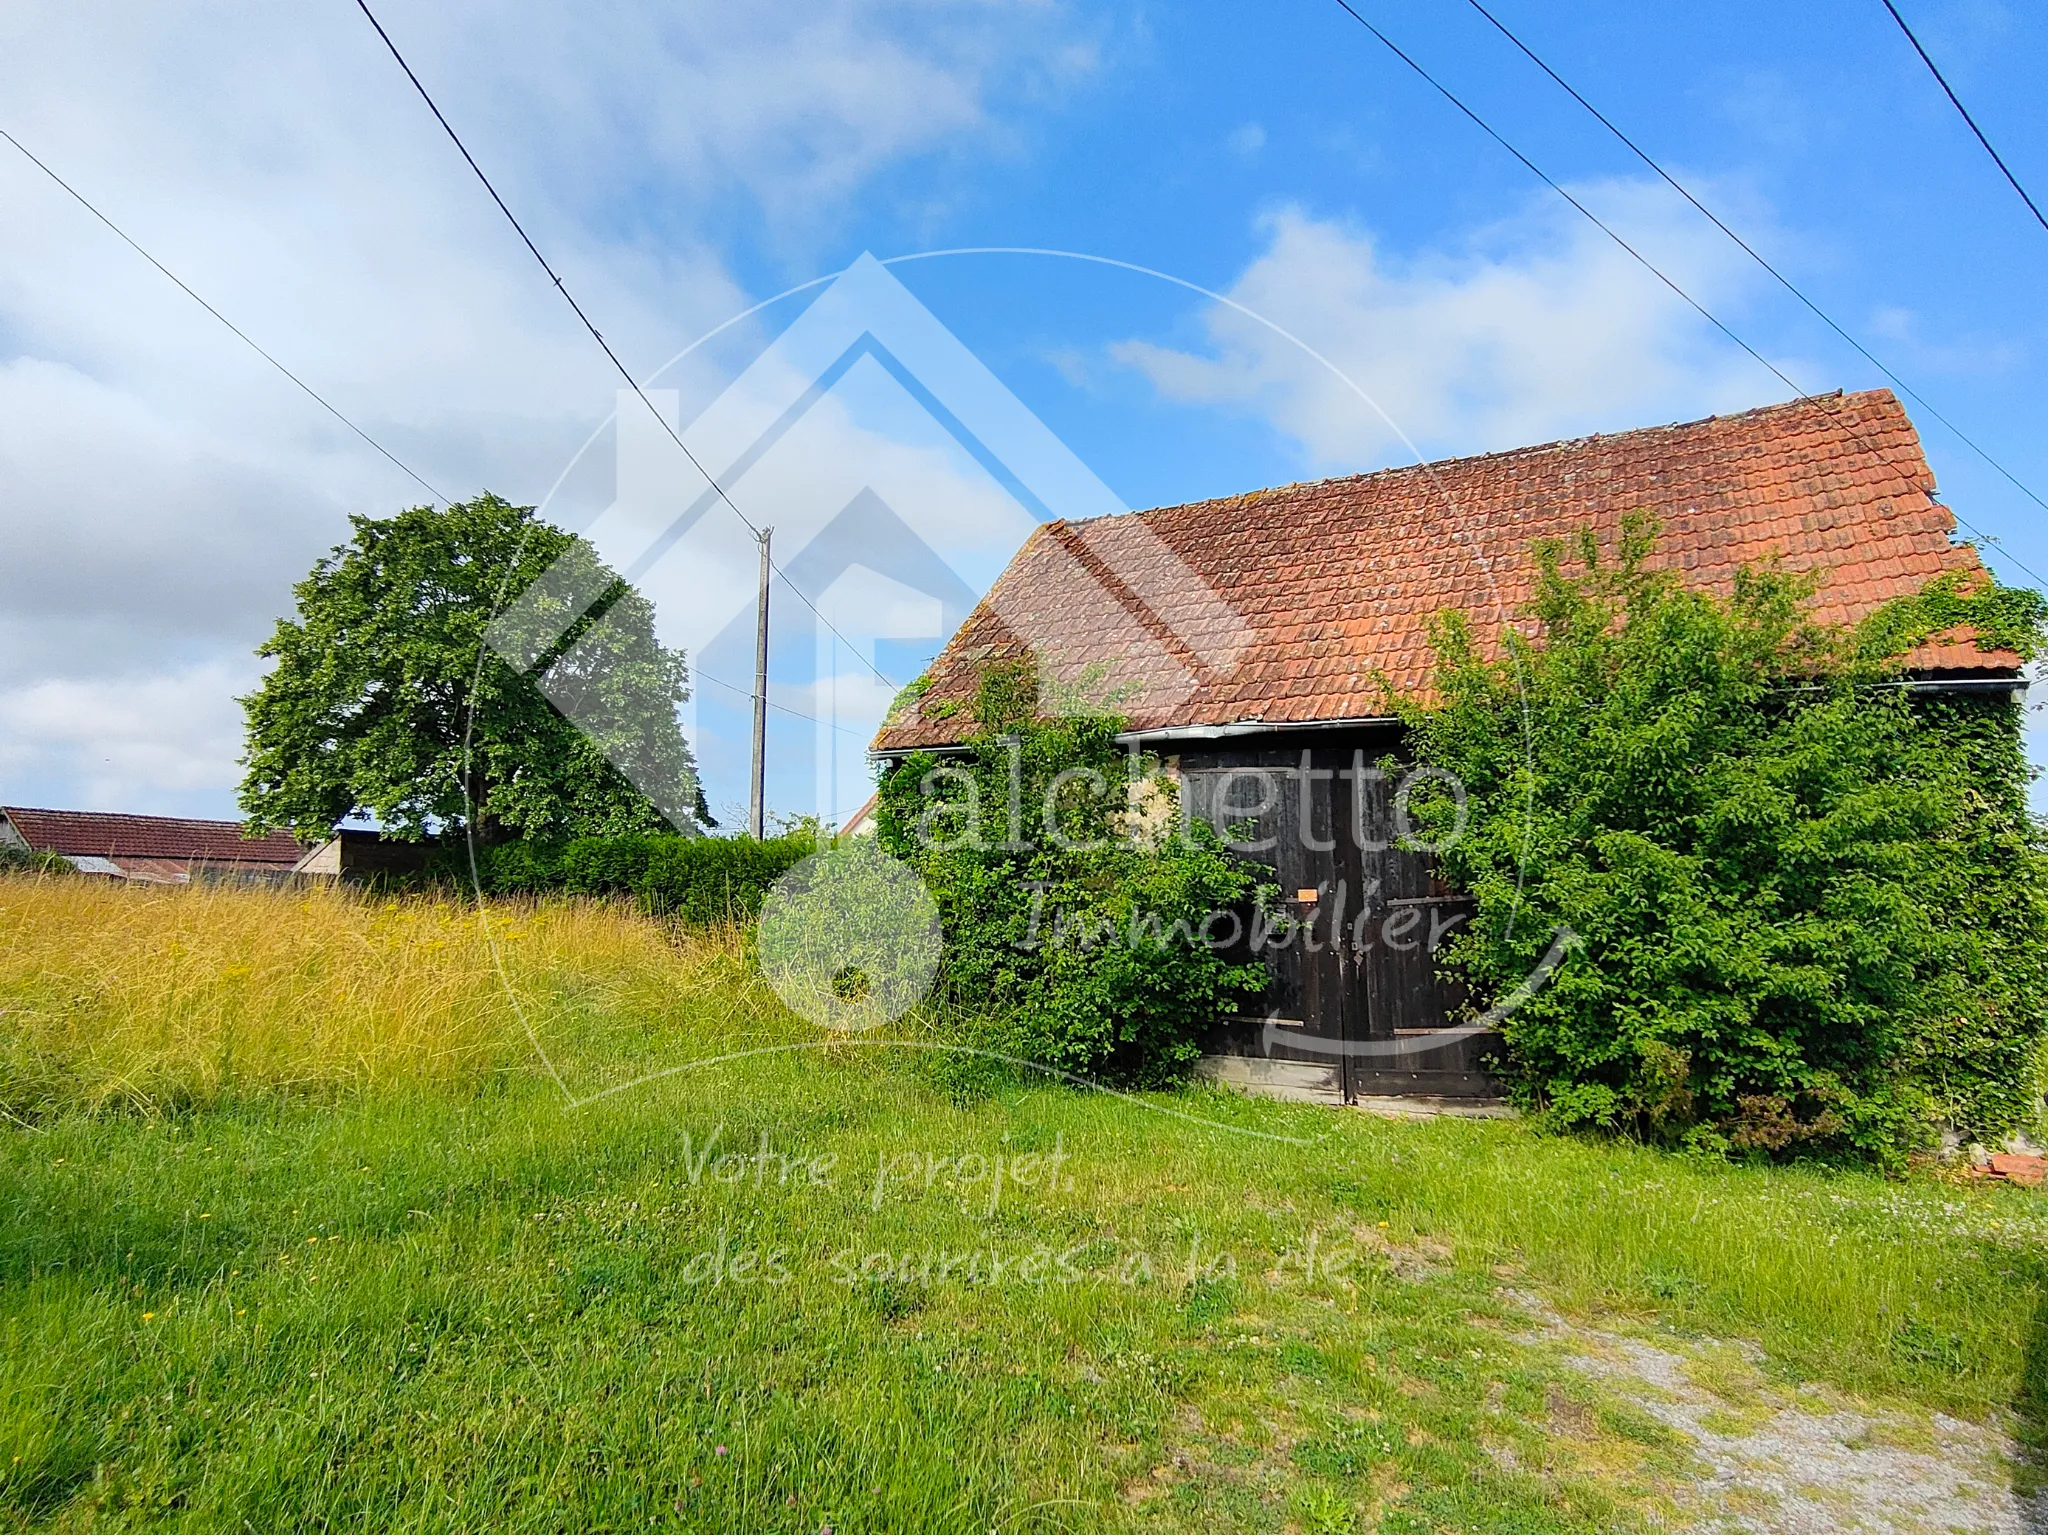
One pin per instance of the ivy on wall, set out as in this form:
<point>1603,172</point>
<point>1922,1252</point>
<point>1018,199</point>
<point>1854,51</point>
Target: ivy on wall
<point>1811,906</point>
<point>1072,901</point>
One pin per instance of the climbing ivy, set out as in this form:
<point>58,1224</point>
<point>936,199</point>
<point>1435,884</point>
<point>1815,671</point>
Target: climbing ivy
<point>1997,618</point>
<point>1804,907</point>
<point>1073,900</point>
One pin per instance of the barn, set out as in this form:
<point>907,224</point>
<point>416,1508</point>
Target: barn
<point>150,850</point>
<point>1251,642</point>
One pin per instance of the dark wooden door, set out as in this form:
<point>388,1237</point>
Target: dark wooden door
<point>1273,817</point>
<point>1353,973</point>
<point>1412,1001</point>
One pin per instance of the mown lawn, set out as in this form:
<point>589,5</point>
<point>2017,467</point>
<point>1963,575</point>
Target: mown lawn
<point>410,1271</point>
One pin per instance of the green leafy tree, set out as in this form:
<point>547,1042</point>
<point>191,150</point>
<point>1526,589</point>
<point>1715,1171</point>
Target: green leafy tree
<point>1072,901</point>
<point>1811,907</point>
<point>17,860</point>
<point>386,701</point>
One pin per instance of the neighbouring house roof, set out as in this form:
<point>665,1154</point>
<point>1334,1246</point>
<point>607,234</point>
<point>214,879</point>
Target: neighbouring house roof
<point>862,822</point>
<point>155,846</point>
<point>1290,605</point>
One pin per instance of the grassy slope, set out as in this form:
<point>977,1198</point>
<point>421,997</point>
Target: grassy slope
<point>364,1287</point>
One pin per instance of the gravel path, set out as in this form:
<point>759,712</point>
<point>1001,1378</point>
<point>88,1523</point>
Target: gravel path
<point>1784,1460</point>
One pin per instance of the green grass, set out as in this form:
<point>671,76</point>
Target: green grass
<point>470,1304</point>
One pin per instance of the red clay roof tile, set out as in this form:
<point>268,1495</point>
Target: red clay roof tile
<point>112,835</point>
<point>1332,584</point>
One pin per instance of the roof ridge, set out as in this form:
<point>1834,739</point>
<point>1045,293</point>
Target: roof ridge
<point>189,821</point>
<point>1361,477</point>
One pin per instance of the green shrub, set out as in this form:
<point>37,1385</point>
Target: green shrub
<point>17,860</point>
<point>1811,906</point>
<point>694,879</point>
<point>1081,926</point>
<point>709,879</point>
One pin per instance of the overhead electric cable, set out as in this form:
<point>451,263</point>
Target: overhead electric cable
<point>1789,286</point>
<point>1536,170</point>
<point>596,335</point>
<point>1541,175</point>
<point>747,693</point>
<point>1949,90</point>
<point>313,394</point>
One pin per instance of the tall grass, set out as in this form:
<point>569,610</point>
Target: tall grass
<point>116,995</point>
<point>316,1297</point>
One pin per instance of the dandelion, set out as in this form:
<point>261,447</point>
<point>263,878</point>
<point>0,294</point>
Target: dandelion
<point>147,1316</point>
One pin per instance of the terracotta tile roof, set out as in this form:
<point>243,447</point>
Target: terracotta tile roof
<point>1285,605</point>
<point>110,835</point>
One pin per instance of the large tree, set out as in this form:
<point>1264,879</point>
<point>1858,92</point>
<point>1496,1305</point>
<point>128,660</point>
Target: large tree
<point>391,697</point>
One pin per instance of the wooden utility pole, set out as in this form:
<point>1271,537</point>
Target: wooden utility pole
<point>757,803</point>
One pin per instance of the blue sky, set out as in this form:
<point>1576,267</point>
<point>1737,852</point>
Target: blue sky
<point>160,489</point>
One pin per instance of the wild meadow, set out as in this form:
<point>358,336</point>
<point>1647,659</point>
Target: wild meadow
<point>325,1210</point>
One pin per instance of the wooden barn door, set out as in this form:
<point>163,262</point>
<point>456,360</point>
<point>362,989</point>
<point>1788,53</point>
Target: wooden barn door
<point>1299,827</point>
<point>1355,986</point>
<point>1409,999</point>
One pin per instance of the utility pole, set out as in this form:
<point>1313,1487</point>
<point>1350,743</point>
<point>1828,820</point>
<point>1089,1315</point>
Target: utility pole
<point>757,802</point>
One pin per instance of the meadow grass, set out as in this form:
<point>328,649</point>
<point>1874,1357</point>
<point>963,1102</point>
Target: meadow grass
<point>301,1229</point>
<point>161,998</point>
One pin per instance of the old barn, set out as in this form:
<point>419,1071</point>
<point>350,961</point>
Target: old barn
<point>1246,640</point>
<point>150,850</point>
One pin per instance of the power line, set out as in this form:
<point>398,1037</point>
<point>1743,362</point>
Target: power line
<point>327,406</point>
<point>1949,90</point>
<point>596,335</point>
<point>313,394</point>
<point>748,693</point>
<point>1789,286</point>
<point>1536,170</point>
<point>1543,176</point>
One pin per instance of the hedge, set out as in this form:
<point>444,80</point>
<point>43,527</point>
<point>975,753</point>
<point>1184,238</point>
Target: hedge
<point>695,879</point>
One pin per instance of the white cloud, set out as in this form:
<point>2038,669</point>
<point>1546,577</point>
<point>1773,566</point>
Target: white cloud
<point>1979,354</point>
<point>160,487</point>
<point>1535,328</point>
<point>800,105</point>
<point>116,514</point>
<point>135,744</point>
